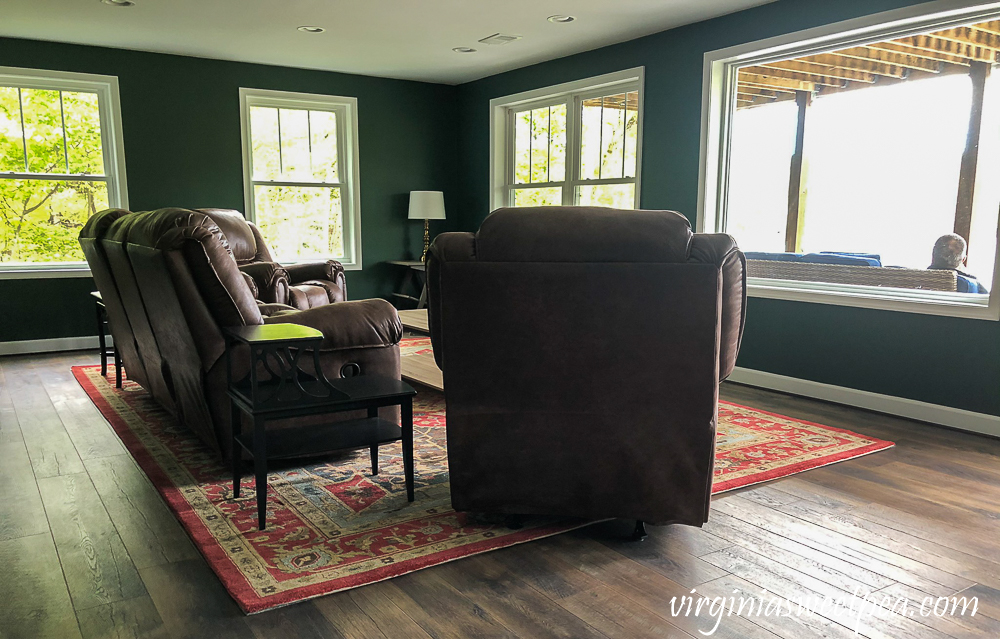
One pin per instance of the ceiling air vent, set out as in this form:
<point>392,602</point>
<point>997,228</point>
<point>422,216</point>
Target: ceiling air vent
<point>500,38</point>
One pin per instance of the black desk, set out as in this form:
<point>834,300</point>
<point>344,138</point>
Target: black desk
<point>415,281</point>
<point>289,391</point>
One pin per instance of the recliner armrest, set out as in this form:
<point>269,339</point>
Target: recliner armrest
<point>330,270</point>
<point>271,280</point>
<point>447,247</point>
<point>363,324</point>
<point>721,249</point>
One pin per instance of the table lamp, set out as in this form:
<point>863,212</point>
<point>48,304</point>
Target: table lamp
<point>426,206</point>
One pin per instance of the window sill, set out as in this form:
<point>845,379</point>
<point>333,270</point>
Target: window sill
<point>964,305</point>
<point>43,272</point>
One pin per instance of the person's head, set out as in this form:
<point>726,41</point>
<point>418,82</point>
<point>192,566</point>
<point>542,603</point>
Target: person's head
<point>949,251</point>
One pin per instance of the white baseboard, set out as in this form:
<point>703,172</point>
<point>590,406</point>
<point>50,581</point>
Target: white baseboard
<point>909,408</point>
<point>28,346</point>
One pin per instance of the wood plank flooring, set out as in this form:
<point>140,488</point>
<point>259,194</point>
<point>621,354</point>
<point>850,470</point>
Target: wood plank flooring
<point>88,548</point>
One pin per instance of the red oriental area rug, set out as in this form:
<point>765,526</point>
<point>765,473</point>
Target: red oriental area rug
<point>332,526</point>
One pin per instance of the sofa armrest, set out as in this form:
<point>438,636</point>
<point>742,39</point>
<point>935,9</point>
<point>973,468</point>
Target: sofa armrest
<point>270,279</point>
<point>330,270</point>
<point>720,249</point>
<point>363,324</point>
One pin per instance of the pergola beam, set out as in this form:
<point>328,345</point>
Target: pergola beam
<point>781,90</point>
<point>950,47</point>
<point>888,57</point>
<point>855,64</point>
<point>768,82</point>
<point>821,80</point>
<point>751,90</point>
<point>825,70</point>
<point>987,27</point>
<point>971,36</point>
<point>897,47</point>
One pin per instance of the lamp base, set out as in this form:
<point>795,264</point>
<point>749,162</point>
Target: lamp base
<point>427,240</point>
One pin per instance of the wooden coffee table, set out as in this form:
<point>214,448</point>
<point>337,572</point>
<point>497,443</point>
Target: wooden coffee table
<point>420,368</point>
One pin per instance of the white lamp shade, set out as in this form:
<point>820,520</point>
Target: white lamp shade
<point>426,205</point>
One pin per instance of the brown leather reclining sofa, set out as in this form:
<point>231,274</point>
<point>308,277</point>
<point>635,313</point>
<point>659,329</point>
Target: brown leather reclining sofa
<point>170,283</point>
<point>582,350</point>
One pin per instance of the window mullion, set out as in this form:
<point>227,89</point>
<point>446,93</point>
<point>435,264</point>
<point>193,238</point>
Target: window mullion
<point>281,162</point>
<point>309,134</point>
<point>573,141</point>
<point>24,138</point>
<point>509,150</point>
<point>62,119</point>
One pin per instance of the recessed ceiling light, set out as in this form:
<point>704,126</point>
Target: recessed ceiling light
<point>119,3</point>
<point>309,29</point>
<point>560,19</point>
<point>464,50</point>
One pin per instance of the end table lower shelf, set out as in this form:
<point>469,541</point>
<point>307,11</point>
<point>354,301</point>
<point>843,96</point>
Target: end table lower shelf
<point>267,400</point>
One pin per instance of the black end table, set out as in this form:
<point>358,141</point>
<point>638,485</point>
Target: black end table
<point>103,328</point>
<point>287,390</point>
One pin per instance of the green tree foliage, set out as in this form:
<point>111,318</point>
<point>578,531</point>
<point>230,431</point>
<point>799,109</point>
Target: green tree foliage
<point>48,135</point>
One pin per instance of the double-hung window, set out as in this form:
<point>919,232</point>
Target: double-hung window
<point>300,154</point>
<point>573,144</point>
<point>61,161</point>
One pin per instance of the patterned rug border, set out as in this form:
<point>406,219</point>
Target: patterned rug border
<point>250,602</point>
<point>230,577</point>
<point>800,467</point>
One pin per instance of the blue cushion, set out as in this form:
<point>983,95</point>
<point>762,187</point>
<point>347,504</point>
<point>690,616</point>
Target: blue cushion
<point>847,259</point>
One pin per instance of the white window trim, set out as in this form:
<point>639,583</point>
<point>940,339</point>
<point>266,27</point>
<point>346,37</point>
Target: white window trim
<point>718,88</point>
<point>501,122</point>
<point>112,143</point>
<point>346,109</point>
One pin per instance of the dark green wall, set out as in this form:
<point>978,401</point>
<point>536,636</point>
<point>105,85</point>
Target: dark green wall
<point>945,361</point>
<point>181,124</point>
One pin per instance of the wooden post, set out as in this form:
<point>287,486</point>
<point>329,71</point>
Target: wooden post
<point>979,72</point>
<point>797,178</point>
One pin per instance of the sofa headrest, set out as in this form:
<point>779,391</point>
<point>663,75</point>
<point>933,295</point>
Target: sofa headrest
<point>203,247</point>
<point>234,226</point>
<point>100,222</point>
<point>583,234</point>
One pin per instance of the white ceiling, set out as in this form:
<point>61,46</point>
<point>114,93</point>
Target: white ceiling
<point>411,39</point>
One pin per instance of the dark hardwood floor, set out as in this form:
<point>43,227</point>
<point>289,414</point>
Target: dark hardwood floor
<point>88,548</point>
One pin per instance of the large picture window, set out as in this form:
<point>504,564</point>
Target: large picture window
<point>61,161</point>
<point>300,155</point>
<point>859,167</point>
<point>573,144</point>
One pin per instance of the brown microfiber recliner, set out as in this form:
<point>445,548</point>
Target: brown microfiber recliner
<point>179,286</point>
<point>582,351</point>
<point>302,286</point>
